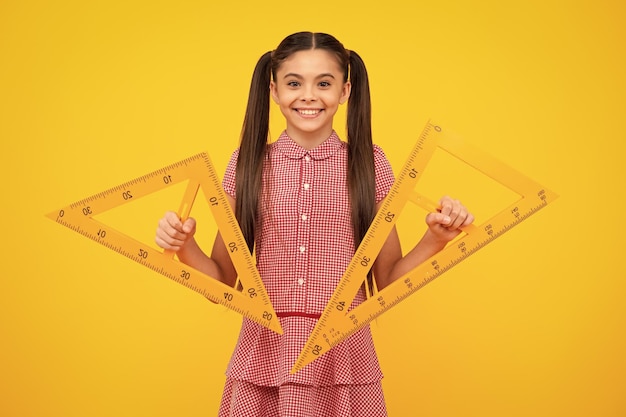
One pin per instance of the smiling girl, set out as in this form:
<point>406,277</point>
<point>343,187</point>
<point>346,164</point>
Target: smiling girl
<point>304,202</point>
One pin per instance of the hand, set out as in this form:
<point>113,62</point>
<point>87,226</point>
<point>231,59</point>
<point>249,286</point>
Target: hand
<point>450,218</point>
<point>172,234</point>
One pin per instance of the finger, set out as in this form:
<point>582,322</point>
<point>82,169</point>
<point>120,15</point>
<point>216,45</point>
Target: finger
<point>433,219</point>
<point>171,234</point>
<point>189,225</point>
<point>168,230</point>
<point>464,219</point>
<point>468,220</point>
<point>164,245</point>
<point>167,241</point>
<point>458,216</point>
<point>449,206</point>
<point>457,212</point>
<point>173,220</point>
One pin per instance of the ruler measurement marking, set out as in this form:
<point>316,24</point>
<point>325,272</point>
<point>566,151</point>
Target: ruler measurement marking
<point>383,222</point>
<point>335,326</point>
<point>418,284</point>
<point>198,170</point>
<point>238,240</point>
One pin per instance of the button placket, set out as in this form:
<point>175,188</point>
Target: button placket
<point>304,208</point>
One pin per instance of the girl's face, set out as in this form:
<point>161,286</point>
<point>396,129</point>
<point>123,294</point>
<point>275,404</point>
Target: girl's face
<point>309,88</point>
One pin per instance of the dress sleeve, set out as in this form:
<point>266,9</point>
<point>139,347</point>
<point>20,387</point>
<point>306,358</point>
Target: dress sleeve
<point>228,182</point>
<point>384,174</point>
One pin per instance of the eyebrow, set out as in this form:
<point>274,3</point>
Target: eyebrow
<point>298,76</point>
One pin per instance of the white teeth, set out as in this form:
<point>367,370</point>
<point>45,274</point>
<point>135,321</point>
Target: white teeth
<point>308,112</point>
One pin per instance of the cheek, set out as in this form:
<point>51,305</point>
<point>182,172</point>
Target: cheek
<point>335,100</point>
<point>285,98</point>
<point>285,110</point>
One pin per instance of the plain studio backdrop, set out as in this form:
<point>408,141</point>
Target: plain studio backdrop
<point>93,94</point>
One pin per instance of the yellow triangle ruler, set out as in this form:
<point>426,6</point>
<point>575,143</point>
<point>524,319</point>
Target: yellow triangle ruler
<point>336,323</point>
<point>252,301</point>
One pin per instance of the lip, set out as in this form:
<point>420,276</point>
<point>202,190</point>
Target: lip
<point>308,112</point>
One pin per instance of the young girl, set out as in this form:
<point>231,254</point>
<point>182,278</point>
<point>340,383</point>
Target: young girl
<point>304,202</point>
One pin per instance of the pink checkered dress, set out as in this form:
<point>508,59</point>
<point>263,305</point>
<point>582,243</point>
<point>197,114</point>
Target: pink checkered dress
<point>303,247</point>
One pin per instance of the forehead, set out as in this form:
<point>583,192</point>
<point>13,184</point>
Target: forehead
<point>310,62</point>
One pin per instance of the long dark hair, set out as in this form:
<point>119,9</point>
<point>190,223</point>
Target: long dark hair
<point>255,133</point>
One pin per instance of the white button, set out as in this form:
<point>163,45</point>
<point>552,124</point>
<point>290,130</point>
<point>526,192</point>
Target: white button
<point>304,217</point>
<point>307,158</point>
<point>306,186</point>
<point>302,249</point>
<point>300,281</point>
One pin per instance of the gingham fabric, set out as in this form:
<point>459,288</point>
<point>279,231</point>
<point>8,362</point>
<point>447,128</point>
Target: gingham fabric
<point>243,399</point>
<point>303,247</point>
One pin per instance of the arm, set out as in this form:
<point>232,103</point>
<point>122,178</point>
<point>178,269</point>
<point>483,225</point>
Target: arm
<point>173,234</point>
<point>443,226</point>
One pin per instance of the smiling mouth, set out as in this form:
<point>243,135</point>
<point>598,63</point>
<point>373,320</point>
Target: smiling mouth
<point>308,112</point>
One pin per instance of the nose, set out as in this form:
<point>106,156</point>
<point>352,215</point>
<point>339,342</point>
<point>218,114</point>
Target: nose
<point>308,94</point>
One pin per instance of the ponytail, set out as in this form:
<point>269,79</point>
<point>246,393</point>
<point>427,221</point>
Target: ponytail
<point>361,167</point>
<point>361,171</point>
<point>252,150</point>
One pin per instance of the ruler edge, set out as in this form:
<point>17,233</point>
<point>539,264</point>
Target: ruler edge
<point>399,281</point>
<point>176,165</point>
<point>199,158</point>
<point>453,141</point>
<point>386,203</point>
<point>450,140</point>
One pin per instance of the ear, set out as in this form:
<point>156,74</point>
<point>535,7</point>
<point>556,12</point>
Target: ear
<point>273,91</point>
<point>345,92</point>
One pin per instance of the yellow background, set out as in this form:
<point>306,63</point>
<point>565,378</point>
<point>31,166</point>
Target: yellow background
<point>93,94</point>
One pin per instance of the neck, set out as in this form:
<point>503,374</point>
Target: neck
<point>309,140</point>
